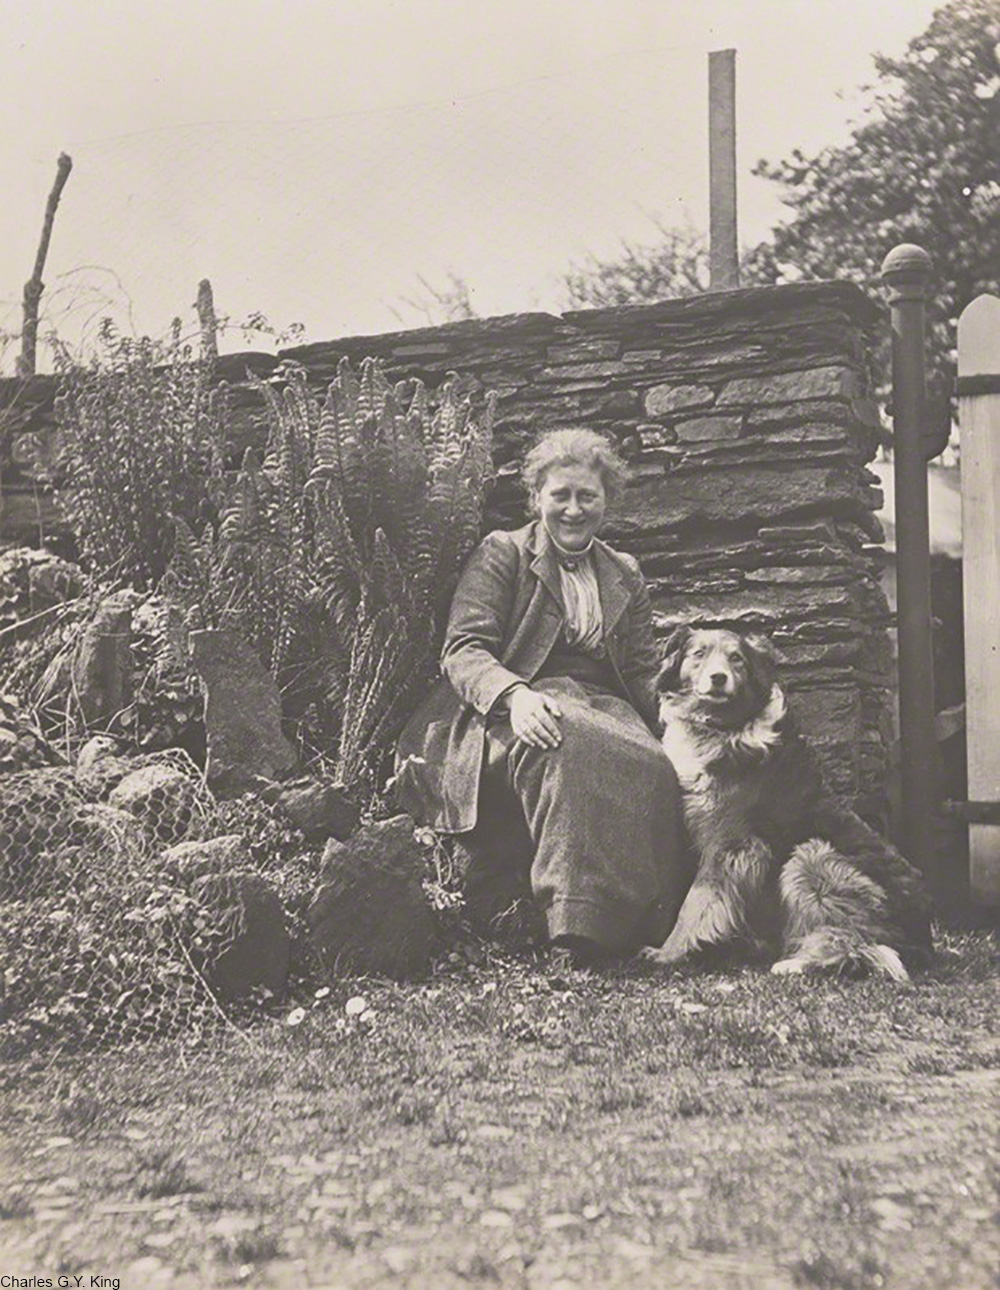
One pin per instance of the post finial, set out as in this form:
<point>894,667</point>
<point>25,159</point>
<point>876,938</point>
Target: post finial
<point>907,271</point>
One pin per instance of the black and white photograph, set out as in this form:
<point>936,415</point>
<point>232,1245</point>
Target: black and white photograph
<point>499,644</point>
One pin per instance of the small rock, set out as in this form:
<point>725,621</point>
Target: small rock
<point>320,809</point>
<point>398,1258</point>
<point>100,766</point>
<point>371,913</point>
<point>492,1132</point>
<point>163,799</point>
<point>555,1222</point>
<point>110,834</point>
<point>159,1240</point>
<point>259,947</point>
<point>190,860</point>
<point>495,1218</point>
<point>514,1198</point>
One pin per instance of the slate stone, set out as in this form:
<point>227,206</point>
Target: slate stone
<point>709,428</point>
<point>370,913</point>
<point>319,808</point>
<point>257,947</point>
<point>661,400</point>
<point>813,383</point>
<point>737,493</point>
<point>101,668</point>
<point>242,713</point>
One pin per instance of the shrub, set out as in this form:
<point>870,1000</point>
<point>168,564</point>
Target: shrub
<point>142,440</point>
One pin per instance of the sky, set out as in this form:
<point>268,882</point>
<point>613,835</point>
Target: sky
<point>320,160</point>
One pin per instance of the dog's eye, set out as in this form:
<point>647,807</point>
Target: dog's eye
<point>736,658</point>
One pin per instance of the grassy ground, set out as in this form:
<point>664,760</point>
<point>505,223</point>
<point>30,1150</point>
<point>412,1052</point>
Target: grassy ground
<point>504,1125</point>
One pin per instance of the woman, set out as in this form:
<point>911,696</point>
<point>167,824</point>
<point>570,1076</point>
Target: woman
<point>546,714</point>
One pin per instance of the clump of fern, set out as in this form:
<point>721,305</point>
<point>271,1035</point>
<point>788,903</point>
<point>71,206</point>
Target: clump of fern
<point>337,553</point>
<point>142,433</point>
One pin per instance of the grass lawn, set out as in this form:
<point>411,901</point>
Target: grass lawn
<point>501,1124</point>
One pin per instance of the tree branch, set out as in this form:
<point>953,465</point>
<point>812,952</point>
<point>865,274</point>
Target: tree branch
<point>34,287</point>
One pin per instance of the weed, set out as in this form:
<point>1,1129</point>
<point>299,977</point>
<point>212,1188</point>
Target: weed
<point>15,1205</point>
<point>687,1104</point>
<point>81,1113</point>
<point>930,1064</point>
<point>612,1098</point>
<point>162,1173</point>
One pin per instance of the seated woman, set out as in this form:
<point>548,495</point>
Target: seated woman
<point>547,713</point>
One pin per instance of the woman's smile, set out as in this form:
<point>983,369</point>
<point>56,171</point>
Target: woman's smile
<point>572,502</point>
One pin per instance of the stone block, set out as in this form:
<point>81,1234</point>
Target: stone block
<point>242,713</point>
<point>742,493</point>
<point>709,428</point>
<point>662,400</point>
<point>806,573</point>
<point>101,669</point>
<point>782,387</point>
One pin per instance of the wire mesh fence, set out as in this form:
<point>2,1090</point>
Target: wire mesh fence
<point>104,939</point>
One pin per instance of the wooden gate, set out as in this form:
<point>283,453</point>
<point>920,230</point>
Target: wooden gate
<point>979,420</point>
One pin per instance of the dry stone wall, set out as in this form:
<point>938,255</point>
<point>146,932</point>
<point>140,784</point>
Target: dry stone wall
<point>748,420</point>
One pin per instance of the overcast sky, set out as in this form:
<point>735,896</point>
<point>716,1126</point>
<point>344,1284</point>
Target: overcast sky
<point>314,157</point>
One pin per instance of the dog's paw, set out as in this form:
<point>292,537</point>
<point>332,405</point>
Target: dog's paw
<point>789,967</point>
<point>661,956</point>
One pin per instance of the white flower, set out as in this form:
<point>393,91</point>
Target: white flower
<point>355,1006</point>
<point>295,1017</point>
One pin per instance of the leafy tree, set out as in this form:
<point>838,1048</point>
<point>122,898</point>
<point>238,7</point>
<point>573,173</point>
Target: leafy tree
<point>677,265</point>
<point>922,166</point>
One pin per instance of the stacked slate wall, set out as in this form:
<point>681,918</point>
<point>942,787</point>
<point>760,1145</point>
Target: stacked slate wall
<point>748,420</point>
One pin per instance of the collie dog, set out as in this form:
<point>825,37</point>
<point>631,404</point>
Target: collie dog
<point>775,851</point>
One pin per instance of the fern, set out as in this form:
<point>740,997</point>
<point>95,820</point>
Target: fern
<point>338,551</point>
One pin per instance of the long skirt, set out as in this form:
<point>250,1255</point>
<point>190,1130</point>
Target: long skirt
<point>606,858</point>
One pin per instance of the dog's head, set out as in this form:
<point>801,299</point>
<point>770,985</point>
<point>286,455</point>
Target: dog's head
<point>723,677</point>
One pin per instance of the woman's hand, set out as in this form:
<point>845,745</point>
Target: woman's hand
<point>534,718</point>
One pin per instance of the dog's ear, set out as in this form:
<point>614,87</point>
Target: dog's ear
<point>674,649</point>
<point>763,659</point>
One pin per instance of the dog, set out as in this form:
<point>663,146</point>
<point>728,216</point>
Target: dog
<point>776,854</point>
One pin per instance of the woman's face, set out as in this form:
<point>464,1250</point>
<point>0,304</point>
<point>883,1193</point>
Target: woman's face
<point>572,502</point>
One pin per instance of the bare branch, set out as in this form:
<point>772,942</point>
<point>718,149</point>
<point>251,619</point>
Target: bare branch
<point>34,287</point>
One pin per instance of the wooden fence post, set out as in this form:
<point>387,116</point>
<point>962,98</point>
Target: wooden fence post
<point>724,254</point>
<point>979,421</point>
<point>907,273</point>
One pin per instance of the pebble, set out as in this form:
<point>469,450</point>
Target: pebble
<point>510,1197</point>
<point>495,1218</point>
<point>555,1222</point>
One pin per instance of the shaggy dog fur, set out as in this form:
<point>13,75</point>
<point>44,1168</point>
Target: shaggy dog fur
<point>775,851</point>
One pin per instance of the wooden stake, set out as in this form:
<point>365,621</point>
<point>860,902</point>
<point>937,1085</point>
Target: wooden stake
<point>34,287</point>
<point>979,419</point>
<point>723,241</point>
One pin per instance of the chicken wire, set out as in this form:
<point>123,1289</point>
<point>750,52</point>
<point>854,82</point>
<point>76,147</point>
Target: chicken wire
<point>102,939</point>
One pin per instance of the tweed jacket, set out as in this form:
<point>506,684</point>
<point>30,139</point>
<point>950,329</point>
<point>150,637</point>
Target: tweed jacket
<point>506,616</point>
